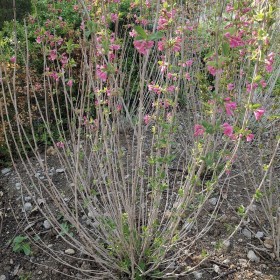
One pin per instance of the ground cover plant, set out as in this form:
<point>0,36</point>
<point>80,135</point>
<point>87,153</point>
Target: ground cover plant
<point>149,107</point>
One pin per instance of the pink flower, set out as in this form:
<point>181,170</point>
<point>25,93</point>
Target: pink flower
<point>119,107</point>
<point>162,23</point>
<point>102,75</point>
<point>70,83</point>
<point>115,47</point>
<point>230,107</point>
<point>52,55</point>
<point>189,62</point>
<point>132,33</point>
<point>143,46</point>
<point>60,144</point>
<point>228,129</point>
<point>161,45</point>
<point>263,83</point>
<point>147,119</point>
<point>39,40</point>
<point>171,89</point>
<point>13,59</point>
<point>229,8</point>
<point>251,87</point>
<point>177,44</point>
<point>64,59</point>
<point>198,130</point>
<point>250,137</point>
<point>114,17</point>
<point>230,86</point>
<point>155,88</point>
<point>212,70</point>
<point>269,62</point>
<point>259,113</point>
<point>188,77</point>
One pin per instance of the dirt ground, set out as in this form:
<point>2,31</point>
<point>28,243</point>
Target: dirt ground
<point>227,263</point>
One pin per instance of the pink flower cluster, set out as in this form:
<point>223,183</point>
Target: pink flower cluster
<point>155,88</point>
<point>235,41</point>
<point>269,62</point>
<point>100,73</point>
<point>198,130</point>
<point>143,46</point>
<point>230,106</point>
<point>259,113</point>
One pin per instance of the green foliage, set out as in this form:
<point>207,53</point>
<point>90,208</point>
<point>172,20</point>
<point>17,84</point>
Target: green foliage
<point>23,7</point>
<point>21,245</point>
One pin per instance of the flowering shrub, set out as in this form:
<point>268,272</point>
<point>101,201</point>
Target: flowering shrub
<point>116,98</point>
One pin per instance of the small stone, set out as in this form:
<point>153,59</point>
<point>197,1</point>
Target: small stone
<point>253,207</point>
<point>247,233</point>
<point>40,272</point>
<point>213,201</point>
<point>216,269</point>
<point>268,243</point>
<point>42,177</point>
<point>27,206</point>
<point>172,265</point>
<point>69,251</point>
<point>4,172</point>
<point>259,273</point>
<point>27,198</point>
<point>11,261</point>
<point>252,256</point>
<point>197,275</point>
<point>18,185</point>
<point>259,234</point>
<point>3,277</point>
<point>243,262</point>
<point>60,170</point>
<point>227,245</point>
<point>37,175</point>
<point>226,261</point>
<point>47,224</point>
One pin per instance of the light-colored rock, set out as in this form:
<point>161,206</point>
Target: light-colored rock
<point>259,234</point>
<point>27,206</point>
<point>247,233</point>
<point>197,275</point>
<point>217,269</point>
<point>3,277</point>
<point>69,251</point>
<point>18,185</point>
<point>27,198</point>
<point>4,172</point>
<point>37,175</point>
<point>252,256</point>
<point>257,272</point>
<point>60,170</point>
<point>226,243</point>
<point>47,224</point>
<point>213,201</point>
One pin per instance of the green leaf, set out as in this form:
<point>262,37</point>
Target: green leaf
<point>26,249</point>
<point>155,36</point>
<point>141,32</point>
<point>225,49</point>
<point>19,239</point>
